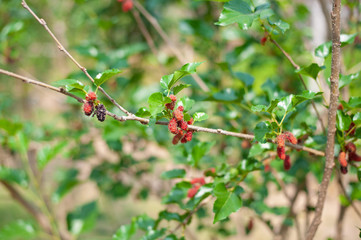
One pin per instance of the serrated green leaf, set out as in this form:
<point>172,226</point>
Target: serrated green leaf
<point>347,79</point>
<point>174,173</point>
<point>165,80</point>
<point>280,24</point>
<point>143,113</point>
<point>260,131</point>
<point>156,103</point>
<point>47,153</point>
<point>13,175</point>
<point>226,202</point>
<point>343,121</point>
<point>83,218</point>
<point>185,70</point>
<point>20,229</point>
<point>304,96</point>
<point>180,87</point>
<point>259,108</point>
<point>186,102</point>
<point>200,116</point>
<point>125,232</point>
<point>311,70</point>
<point>106,75</point>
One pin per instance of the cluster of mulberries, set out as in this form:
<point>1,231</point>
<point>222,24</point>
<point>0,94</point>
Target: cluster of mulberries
<point>177,125</point>
<point>281,151</point>
<point>90,105</point>
<point>348,156</point>
<point>196,184</point>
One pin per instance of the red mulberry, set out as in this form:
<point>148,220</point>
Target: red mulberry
<point>178,114</point>
<point>181,108</point>
<point>170,105</point>
<point>353,156</point>
<point>173,98</point>
<point>172,126</point>
<point>292,139</point>
<point>281,152</point>
<point>287,163</point>
<point>342,159</point>
<point>281,140</point>
<point>190,122</point>
<point>193,191</point>
<point>177,137</point>
<point>351,131</point>
<point>91,96</point>
<point>88,108</point>
<point>183,125</point>
<point>350,147</point>
<point>200,180</point>
<point>189,136</point>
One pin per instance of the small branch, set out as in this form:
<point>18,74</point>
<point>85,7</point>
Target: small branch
<point>40,218</point>
<point>62,48</point>
<point>334,92</point>
<point>169,42</point>
<point>297,67</point>
<point>339,227</point>
<point>132,117</point>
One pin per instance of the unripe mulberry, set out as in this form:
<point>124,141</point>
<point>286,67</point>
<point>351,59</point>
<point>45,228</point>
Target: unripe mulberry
<point>183,125</point>
<point>173,98</point>
<point>178,114</point>
<point>100,112</point>
<point>353,156</point>
<point>181,108</point>
<point>177,137</point>
<point>342,159</point>
<point>291,138</point>
<point>287,163</point>
<point>190,122</point>
<point>350,147</point>
<point>200,180</point>
<point>281,140</point>
<point>281,152</point>
<point>193,191</point>
<point>88,108</point>
<point>172,126</point>
<point>188,136</point>
<point>91,96</point>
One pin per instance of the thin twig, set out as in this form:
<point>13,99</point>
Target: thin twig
<point>62,48</point>
<point>40,217</point>
<point>146,121</point>
<point>169,42</point>
<point>297,67</point>
<point>334,92</point>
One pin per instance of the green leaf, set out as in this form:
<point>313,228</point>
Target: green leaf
<point>354,102</point>
<point>347,39</point>
<point>165,80</point>
<point>64,188</point>
<point>156,103</point>
<point>185,70</point>
<point>261,130</point>
<point>246,78</point>
<point>106,75</point>
<point>200,116</point>
<point>304,96</point>
<point>226,202</point>
<point>311,70</point>
<point>186,102</point>
<point>10,127</point>
<point>199,150</point>
<point>64,82</point>
<point>285,104</point>
<point>258,148</point>
<point>125,232</point>
<point>276,22</point>
<point>180,87</point>
<point>143,113</point>
<point>169,216</point>
<point>83,218</point>
<point>13,175</point>
<point>259,108</point>
<point>324,49</point>
<point>357,118</point>
<point>18,230</point>
<point>343,121</point>
<point>175,173</point>
<point>347,79</point>
<point>47,153</point>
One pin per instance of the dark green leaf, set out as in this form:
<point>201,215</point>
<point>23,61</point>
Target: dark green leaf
<point>64,188</point>
<point>180,87</point>
<point>226,202</point>
<point>175,173</point>
<point>199,150</point>
<point>260,131</point>
<point>246,78</point>
<point>170,216</point>
<point>343,121</point>
<point>311,70</point>
<point>106,75</point>
<point>83,218</point>
<point>357,118</point>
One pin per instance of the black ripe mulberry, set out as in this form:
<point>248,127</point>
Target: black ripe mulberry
<point>100,112</point>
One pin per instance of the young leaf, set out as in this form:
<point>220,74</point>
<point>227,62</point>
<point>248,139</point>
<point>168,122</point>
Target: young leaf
<point>261,130</point>
<point>226,202</point>
<point>259,108</point>
<point>165,80</point>
<point>200,116</point>
<point>106,75</point>
<point>175,173</point>
<point>156,103</point>
<point>82,218</point>
<point>186,102</point>
<point>180,87</point>
<point>311,70</point>
<point>185,70</point>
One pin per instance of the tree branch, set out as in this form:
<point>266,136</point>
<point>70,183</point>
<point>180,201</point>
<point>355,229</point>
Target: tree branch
<point>62,48</point>
<point>335,72</point>
<point>132,117</point>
